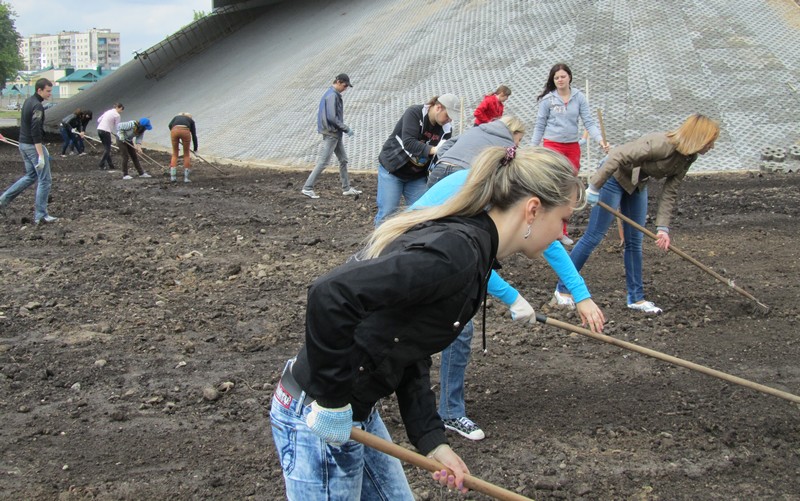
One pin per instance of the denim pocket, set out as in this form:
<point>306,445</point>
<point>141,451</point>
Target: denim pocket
<point>284,434</point>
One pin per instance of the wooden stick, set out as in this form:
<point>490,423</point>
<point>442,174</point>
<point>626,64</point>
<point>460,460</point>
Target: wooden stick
<point>685,256</point>
<point>206,161</point>
<point>603,133</point>
<point>669,358</point>
<point>431,465</point>
<point>602,125</point>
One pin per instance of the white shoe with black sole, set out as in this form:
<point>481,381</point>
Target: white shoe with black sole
<point>465,427</point>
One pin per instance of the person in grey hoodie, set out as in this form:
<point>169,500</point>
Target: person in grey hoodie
<point>330,123</point>
<point>560,107</point>
<point>458,153</point>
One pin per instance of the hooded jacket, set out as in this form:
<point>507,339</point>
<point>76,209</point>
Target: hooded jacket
<point>558,122</point>
<point>407,151</point>
<point>372,325</point>
<point>489,109</point>
<point>462,150</point>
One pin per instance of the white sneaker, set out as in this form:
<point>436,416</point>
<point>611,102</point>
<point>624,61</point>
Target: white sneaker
<point>46,219</point>
<point>145,175</point>
<point>465,427</point>
<point>352,191</point>
<point>565,240</point>
<point>126,177</point>
<point>645,306</point>
<point>309,193</point>
<point>563,300</point>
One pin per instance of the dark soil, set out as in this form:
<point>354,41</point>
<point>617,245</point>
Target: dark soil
<point>115,319</point>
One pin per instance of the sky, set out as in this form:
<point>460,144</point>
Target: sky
<point>141,23</point>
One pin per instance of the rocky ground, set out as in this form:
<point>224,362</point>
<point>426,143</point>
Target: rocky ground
<point>141,337</point>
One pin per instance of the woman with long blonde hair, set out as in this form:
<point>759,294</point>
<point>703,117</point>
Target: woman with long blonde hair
<point>373,323</point>
<point>621,181</point>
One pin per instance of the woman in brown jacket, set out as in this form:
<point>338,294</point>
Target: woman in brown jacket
<point>621,181</point>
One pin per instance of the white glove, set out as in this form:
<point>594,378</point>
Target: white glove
<point>522,310</point>
<point>40,163</point>
<point>592,195</point>
<point>331,425</point>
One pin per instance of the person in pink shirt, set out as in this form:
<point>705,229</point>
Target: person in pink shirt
<point>106,125</point>
<point>492,106</point>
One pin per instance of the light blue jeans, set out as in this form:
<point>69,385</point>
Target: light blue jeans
<point>330,145</point>
<point>635,207</point>
<point>316,471</point>
<point>31,157</point>
<point>391,188</point>
<point>452,372</point>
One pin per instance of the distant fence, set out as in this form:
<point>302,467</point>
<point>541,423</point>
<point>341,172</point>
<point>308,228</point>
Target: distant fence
<point>191,40</point>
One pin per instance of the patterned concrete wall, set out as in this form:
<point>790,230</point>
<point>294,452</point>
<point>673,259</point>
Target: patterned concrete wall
<point>648,65</point>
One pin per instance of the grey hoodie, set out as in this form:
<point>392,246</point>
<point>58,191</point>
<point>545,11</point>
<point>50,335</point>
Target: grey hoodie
<point>464,149</point>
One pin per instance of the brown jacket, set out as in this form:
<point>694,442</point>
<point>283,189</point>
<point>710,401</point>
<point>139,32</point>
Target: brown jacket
<point>652,155</point>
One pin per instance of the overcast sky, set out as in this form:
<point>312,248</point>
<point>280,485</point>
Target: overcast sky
<point>141,23</point>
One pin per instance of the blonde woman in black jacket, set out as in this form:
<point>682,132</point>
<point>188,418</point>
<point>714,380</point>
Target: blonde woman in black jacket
<point>373,323</point>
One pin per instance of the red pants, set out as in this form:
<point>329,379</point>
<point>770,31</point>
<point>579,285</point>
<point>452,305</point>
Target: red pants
<point>573,153</point>
<point>180,135</point>
<point>570,150</point>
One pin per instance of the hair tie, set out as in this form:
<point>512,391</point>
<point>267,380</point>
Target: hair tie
<point>511,153</point>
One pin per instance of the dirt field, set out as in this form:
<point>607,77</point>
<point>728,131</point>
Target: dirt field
<point>115,319</point>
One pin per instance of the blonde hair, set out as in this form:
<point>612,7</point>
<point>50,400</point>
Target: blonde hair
<point>187,115</point>
<point>513,123</point>
<point>534,171</point>
<point>696,132</point>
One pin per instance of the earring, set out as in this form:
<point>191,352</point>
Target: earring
<point>527,233</point>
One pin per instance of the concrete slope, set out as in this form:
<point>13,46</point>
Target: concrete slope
<point>255,92</point>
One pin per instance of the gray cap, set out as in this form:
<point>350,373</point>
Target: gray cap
<point>452,103</point>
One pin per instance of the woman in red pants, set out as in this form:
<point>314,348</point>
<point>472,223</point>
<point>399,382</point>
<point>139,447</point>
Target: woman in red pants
<point>560,107</point>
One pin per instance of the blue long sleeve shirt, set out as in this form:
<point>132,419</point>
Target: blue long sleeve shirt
<point>555,254</point>
<point>558,122</point>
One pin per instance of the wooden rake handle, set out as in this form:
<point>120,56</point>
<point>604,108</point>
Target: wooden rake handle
<point>669,358</point>
<point>431,465</point>
<point>685,256</point>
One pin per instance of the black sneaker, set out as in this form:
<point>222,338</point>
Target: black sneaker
<point>465,427</point>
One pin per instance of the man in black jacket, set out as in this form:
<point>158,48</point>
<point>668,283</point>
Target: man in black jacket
<point>34,154</point>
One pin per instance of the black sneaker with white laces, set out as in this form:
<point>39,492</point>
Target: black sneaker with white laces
<point>465,427</point>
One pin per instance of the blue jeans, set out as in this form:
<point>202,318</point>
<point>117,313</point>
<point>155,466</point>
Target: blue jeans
<point>441,171</point>
<point>316,471</point>
<point>69,139</point>
<point>330,145</point>
<point>30,157</point>
<point>391,188</point>
<point>635,207</point>
<point>452,372</point>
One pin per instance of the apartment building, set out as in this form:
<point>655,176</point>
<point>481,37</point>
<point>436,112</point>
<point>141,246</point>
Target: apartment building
<point>89,49</point>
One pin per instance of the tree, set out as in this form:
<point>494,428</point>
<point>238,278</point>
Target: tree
<point>199,14</point>
<point>10,60</point>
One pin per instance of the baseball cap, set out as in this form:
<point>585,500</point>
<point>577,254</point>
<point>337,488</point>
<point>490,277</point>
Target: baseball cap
<point>145,122</point>
<point>452,103</point>
<point>342,77</point>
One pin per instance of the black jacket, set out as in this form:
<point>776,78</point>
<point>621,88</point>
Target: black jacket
<point>73,121</point>
<point>407,151</point>
<point>186,122</point>
<point>372,325</point>
<point>31,122</point>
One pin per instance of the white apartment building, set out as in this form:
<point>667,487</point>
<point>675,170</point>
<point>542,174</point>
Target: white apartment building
<point>73,49</point>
